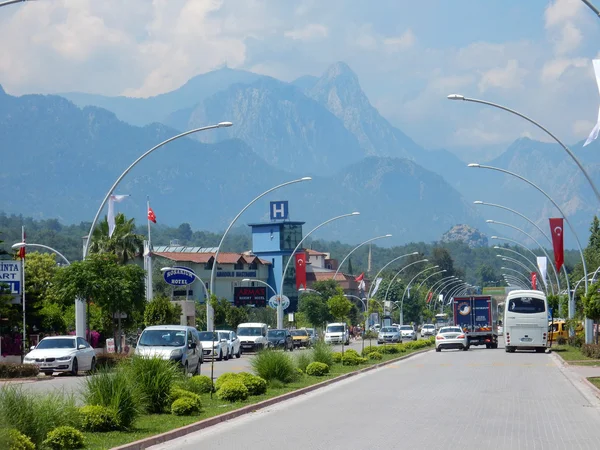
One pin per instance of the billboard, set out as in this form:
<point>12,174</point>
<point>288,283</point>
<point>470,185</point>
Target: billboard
<point>250,295</point>
<point>10,276</point>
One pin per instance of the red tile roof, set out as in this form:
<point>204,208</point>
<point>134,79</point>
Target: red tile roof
<point>314,252</point>
<point>203,258</point>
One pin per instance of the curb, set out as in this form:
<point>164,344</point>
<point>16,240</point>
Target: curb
<point>211,421</point>
<point>574,378</point>
<point>24,380</point>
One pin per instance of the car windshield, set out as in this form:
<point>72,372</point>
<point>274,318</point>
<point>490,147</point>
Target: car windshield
<point>223,335</point>
<point>56,343</point>
<point>428,326</point>
<point>389,330</point>
<point>450,330</point>
<point>527,305</point>
<point>406,328</point>
<point>250,331</point>
<point>310,332</point>
<point>335,329</point>
<point>207,336</point>
<point>163,338</point>
<point>299,333</point>
<point>276,333</point>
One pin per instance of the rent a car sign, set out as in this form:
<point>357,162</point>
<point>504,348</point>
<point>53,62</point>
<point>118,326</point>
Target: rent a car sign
<point>10,275</point>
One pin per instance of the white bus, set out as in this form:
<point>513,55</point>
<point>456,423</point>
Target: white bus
<point>526,321</point>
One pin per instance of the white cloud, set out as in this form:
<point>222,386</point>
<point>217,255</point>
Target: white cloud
<point>309,32</point>
<point>509,77</point>
<point>553,69</point>
<point>561,19</point>
<point>582,128</point>
<point>400,43</point>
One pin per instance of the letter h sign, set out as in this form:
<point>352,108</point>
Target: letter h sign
<point>279,210</point>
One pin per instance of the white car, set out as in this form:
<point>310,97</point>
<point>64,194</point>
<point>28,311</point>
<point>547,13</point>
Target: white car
<point>234,345</point>
<point>428,330</point>
<point>451,337</point>
<point>62,354</point>
<point>213,345</point>
<point>408,333</point>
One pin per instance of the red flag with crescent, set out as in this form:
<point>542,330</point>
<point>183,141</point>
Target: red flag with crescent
<point>534,281</point>
<point>300,270</point>
<point>556,228</point>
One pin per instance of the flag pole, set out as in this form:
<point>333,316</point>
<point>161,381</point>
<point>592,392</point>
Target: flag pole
<point>149,255</point>
<point>23,252</point>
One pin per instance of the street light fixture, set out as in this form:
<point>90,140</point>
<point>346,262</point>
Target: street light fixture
<point>408,287</point>
<point>396,276</point>
<point>248,280</point>
<point>279,304</point>
<point>79,310</point>
<point>592,7</point>
<point>213,272</point>
<point>526,259</point>
<point>19,245</point>
<point>383,268</point>
<point>356,248</point>
<point>428,277</point>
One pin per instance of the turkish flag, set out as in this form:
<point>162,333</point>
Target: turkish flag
<point>151,215</point>
<point>22,249</point>
<point>360,277</point>
<point>556,228</point>
<point>429,296</point>
<point>534,281</point>
<point>300,270</point>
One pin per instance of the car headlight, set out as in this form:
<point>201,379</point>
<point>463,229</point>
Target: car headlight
<point>64,358</point>
<point>27,359</point>
<point>176,353</point>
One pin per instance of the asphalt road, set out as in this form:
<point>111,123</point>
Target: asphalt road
<point>74,385</point>
<point>482,398</point>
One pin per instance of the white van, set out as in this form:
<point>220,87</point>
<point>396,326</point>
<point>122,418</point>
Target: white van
<point>526,321</point>
<point>253,336</point>
<point>337,333</point>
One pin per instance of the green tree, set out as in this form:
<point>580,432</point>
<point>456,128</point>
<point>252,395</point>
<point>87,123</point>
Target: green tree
<point>314,308</point>
<point>487,274</point>
<point>441,257</point>
<point>591,305</point>
<point>124,242</point>
<point>161,311</point>
<point>235,316</point>
<point>339,307</point>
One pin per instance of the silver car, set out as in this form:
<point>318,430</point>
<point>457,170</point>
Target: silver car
<point>174,342</point>
<point>389,334</point>
<point>408,333</point>
<point>234,345</point>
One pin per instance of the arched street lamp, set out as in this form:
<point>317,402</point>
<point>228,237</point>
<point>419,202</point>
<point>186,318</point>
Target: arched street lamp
<point>383,268</point>
<point>408,287</point>
<point>428,277</point>
<point>248,280</point>
<point>356,248</point>
<point>396,276</point>
<point>592,7</point>
<point>364,316</point>
<point>19,245</point>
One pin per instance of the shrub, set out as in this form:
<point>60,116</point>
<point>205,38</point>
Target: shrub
<point>591,350</point>
<point>273,365</point>
<point>388,349</point>
<point>337,357</point>
<point>153,378</point>
<point>34,414</point>
<point>185,406</point>
<point>375,356</point>
<point>200,384</point>
<point>368,350</point>
<point>255,385</point>
<point>64,438</point>
<point>177,393</point>
<point>98,418</point>
<point>228,376</point>
<point>322,353</point>
<point>351,352</point>
<point>12,370</point>
<point>353,360</point>
<point>317,369</point>
<point>303,359</point>
<point>18,441</point>
<point>110,360</point>
<point>561,340</point>
<point>576,341</point>
<point>299,372</point>
<point>233,391</point>
<point>114,390</point>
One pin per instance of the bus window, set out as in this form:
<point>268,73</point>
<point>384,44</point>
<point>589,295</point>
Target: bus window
<point>527,305</point>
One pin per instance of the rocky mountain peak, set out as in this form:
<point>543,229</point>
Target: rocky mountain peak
<point>467,234</point>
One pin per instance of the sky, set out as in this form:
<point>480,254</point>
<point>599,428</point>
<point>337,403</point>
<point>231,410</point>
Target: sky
<point>534,56</point>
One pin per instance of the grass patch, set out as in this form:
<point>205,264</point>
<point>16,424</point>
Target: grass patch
<point>595,381</point>
<point>570,353</point>
<point>150,425</point>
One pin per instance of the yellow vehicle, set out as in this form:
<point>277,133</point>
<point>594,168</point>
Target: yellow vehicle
<point>559,329</point>
<point>300,338</point>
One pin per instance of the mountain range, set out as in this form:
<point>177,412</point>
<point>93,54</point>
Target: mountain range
<point>70,148</point>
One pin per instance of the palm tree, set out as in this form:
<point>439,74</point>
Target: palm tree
<point>124,242</point>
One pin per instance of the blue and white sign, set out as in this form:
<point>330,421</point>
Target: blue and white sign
<point>279,210</point>
<point>549,313</point>
<point>179,276</point>
<point>10,274</point>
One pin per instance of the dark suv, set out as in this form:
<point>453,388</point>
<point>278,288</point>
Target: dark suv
<point>280,339</point>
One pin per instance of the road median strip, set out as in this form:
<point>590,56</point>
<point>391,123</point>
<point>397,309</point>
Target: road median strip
<point>206,423</point>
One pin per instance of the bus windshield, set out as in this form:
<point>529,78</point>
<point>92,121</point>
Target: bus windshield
<point>527,305</point>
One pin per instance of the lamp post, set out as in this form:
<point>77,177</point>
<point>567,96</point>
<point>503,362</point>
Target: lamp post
<point>213,272</point>
<point>356,248</point>
<point>11,2</point>
<point>428,277</point>
<point>452,292</point>
<point>79,311</point>
<point>446,286</point>
<point>588,322</point>
<point>592,7</point>
<point>28,244</point>
<point>279,305</point>
<point>518,263</point>
<point>515,271</point>
<point>394,278</point>
<point>442,281</point>
<point>514,281</point>
<point>301,290</point>
<point>496,247</point>
<point>364,316</point>
<point>530,120</point>
<point>534,240</point>
<point>248,280</point>
<point>523,216</point>
<point>408,287</point>
<point>383,268</point>
<point>443,286</point>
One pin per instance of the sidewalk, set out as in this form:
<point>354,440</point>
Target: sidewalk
<point>585,371</point>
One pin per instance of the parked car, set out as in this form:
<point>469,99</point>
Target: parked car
<point>408,332</point>
<point>253,336</point>
<point>213,345</point>
<point>62,354</point>
<point>389,334</point>
<point>175,342</point>
<point>234,345</point>
<point>312,335</point>
<point>428,330</point>
<point>280,339</point>
<point>337,333</point>
<point>300,338</point>
<point>451,337</point>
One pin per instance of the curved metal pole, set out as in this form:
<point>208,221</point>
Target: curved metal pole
<point>12,2</point>
<point>398,273</point>
<point>364,316</point>
<point>116,183</point>
<point>461,283</point>
<point>442,286</point>
<point>213,273</point>
<point>446,286</point>
<point>279,308</point>
<point>530,120</point>
<point>27,244</point>
<point>592,7</point>
<point>408,287</point>
<point>428,277</point>
<point>383,268</point>
<point>516,281</point>
<point>530,262</point>
<point>356,248</point>
<point>519,263</point>
<point>534,240</point>
<point>454,291</point>
<point>443,280</point>
<point>523,216</point>
<point>249,280</point>
<point>303,290</point>
<point>553,202</point>
<point>515,271</point>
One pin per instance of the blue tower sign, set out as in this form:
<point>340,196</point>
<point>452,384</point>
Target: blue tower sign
<point>279,210</point>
